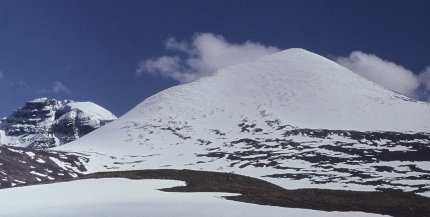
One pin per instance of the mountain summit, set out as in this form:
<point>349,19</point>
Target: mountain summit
<point>43,123</point>
<point>293,118</point>
<point>295,86</point>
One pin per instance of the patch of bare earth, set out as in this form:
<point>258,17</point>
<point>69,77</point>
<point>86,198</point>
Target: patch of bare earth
<point>252,190</point>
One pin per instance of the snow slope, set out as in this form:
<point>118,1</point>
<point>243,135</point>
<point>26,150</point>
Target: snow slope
<point>89,110</point>
<point>124,197</point>
<point>293,118</point>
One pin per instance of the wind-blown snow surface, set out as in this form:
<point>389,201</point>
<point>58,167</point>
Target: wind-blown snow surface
<point>293,118</point>
<point>123,197</point>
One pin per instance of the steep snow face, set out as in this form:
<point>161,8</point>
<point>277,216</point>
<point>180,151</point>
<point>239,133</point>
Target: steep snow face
<point>43,123</point>
<point>294,118</point>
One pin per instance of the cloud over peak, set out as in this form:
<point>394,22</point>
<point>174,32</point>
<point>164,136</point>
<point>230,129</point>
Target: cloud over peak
<point>388,74</point>
<point>383,72</point>
<point>205,53</point>
<point>202,57</point>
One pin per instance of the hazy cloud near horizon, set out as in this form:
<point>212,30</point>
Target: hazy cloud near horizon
<point>389,74</point>
<point>60,88</point>
<point>57,87</point>
<point>202,56</point>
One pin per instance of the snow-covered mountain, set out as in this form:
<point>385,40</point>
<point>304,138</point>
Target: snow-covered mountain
<point>293,118</point>
<point>43,123</point>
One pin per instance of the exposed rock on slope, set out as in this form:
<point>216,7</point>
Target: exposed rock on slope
<point>43,123</point>
<point>23,165</point>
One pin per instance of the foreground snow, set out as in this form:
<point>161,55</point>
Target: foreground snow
<point>124,197</point>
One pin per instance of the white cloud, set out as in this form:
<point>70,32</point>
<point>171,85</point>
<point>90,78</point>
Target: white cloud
<point>424,90</point>
<point>387,74</point>
<point>207,52</point>
<point>203,56</point>
<point>59,87</point>
<point>424,78</point>
<point>1,75</point>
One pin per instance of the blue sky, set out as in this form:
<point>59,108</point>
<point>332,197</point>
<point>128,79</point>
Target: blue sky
<point>118,53</point>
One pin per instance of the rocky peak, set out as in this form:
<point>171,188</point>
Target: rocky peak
<point>36,111</point>
<point>43,123</point>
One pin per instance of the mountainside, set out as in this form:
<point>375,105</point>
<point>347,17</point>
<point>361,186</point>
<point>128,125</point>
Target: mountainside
<point>43,123</point>
<point>293,118</point>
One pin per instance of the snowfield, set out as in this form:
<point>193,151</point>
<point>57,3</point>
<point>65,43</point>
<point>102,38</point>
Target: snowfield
<point>124,197</point>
